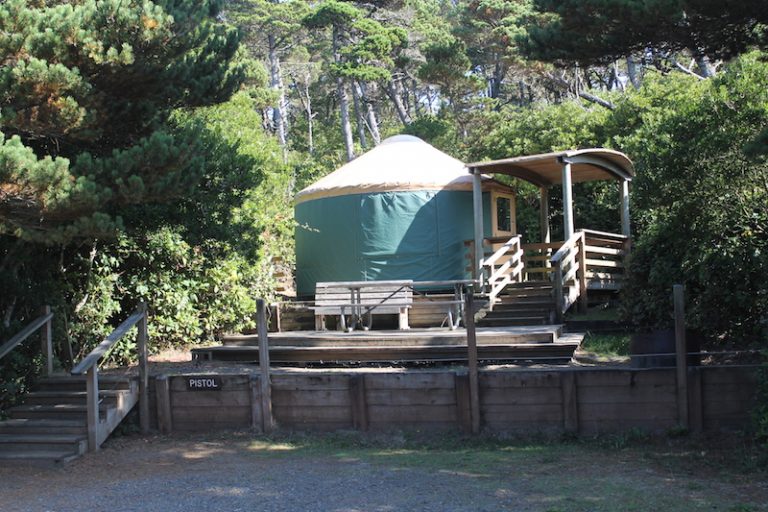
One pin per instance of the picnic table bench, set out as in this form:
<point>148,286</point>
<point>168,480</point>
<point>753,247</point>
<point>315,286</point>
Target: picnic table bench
<point>362,299</point>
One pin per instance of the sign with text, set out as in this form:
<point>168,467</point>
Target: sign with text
<point>204,383</point>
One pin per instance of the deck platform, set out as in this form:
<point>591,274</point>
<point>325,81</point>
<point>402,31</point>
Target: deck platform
<point>415,345</point>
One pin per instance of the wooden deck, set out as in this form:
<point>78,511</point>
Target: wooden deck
<point>416,345</point>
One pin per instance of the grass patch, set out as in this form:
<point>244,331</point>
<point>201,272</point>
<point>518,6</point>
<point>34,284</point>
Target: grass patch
<point>606,345</point>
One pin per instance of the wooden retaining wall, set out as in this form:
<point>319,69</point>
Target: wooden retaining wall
<point>579,400</point>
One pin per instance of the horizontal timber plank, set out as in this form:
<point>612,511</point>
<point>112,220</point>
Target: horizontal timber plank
<point>621,411</point>
<point>661,377</point>
<point>387,381</point>
<point>627,395</point>
<point>310,398</point>
<point>519,380</point>
<point>713,409</point>
<point>735,374</point>
<point>210,398</point>
<point>410,413</point>
<point>233,416</point>
<point>528,413</point>
<point>434,396</point>
<point>596,426</point>
<point>520,396</point>
<point>313,382</point>
<point>290,415</point>
<point>604,263</point>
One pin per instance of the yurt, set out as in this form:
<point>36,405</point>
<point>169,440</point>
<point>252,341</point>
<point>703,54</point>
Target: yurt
<point>403,210</point>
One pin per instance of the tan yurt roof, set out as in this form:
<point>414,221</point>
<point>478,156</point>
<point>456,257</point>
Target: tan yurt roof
<point>399,163</point>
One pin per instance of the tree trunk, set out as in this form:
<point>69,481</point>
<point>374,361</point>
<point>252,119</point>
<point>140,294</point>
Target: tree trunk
<point>276,83</point>
<point>706,69</point>
<point>341,92</point>
<point>372,121</point>
<point>633,72</point>
<point>397,101</point>
<point>359,114</point>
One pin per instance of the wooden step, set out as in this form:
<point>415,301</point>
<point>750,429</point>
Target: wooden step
<point>505,322</point>
<point>38,456</point>
<point>58,411</point>
<point>110,397</point>
<point>77,383</point>
<point>42,426</point>
<point>71,443</point>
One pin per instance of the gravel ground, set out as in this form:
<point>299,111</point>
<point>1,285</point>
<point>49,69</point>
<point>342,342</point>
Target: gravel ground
<point>239,472</point>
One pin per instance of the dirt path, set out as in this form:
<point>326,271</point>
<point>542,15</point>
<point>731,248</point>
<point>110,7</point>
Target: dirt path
<point>239,472</point>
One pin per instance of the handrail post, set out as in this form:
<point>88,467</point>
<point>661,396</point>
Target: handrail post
<point>582,247</point>
<point>559,291</point>
<point>92,397</point>
<point>141,346</point>
<point>681,353</point>
<point>474,384</point>
<point>266,384</point>
<point>46,339</point>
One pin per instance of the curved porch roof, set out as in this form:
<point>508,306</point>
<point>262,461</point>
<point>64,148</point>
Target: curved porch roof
<point>546,169</point>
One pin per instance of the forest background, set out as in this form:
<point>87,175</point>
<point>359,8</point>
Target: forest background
<point>149,151</point>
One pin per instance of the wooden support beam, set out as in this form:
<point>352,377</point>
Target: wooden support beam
<point>254,389</point>
<point>92,416</point>
<point>163,401</point>
<point>546,235</point>
<point>625,225</point>
<point>583,299</point>
<point>141,346</point>
<point>568,228</point>
<point>474,381</point>
<point>477,208</point>
<point>358,402</point>
<point>266,386</point>
<point>46,340</point>
<point>682,356</point>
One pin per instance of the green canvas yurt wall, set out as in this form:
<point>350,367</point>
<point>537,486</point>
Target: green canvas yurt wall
<point>401,211</point>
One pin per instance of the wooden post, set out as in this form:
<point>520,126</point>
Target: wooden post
<point>570,401</point>
<point>568,229</point>
<point>546,236</point>
<point>255,392</point>
<point>582,248</point>
<point>266,385</point>
<point>474,384</point>
<point>682,356</point>
<point>477,208</point>
<point>92,397</point>
<point>163,399</point>
<point>559,292</point>
<point>358,401</point>
<point>46,340</point>
<point>625,226</point>
<point>141,346</point>
<point>463,405</point>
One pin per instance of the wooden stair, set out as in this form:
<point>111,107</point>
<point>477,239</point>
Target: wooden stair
<point>51,425</point>
<point>527,303</point>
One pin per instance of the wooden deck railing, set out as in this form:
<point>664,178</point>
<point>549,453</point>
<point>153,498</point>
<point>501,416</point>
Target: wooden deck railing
<point>503,267</point>
<point>43,322</point>
<point>606,257</point>
<point>570,281</point>
<point>89,367</point>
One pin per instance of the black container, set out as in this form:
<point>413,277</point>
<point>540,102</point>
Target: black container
<point>645,349</point>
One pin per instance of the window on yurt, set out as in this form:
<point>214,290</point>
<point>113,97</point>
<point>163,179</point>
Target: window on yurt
<point>504,219</point>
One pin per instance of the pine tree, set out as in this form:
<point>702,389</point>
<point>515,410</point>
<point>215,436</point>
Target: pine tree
<point>86,90</point>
